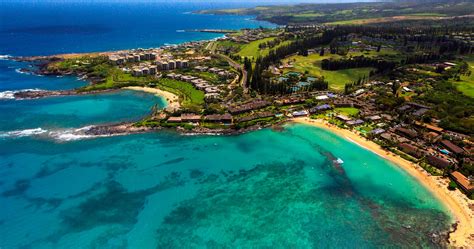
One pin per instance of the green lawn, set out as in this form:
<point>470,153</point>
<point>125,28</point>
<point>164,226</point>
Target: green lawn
<point>348,111</point>
<point>466,85</point>
<point>336,79</point>
<point>252,50</point>
<point>186,91</point>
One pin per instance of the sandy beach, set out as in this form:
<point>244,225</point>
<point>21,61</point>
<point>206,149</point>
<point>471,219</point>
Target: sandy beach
<point>455,201</point>
<point>172,99</point>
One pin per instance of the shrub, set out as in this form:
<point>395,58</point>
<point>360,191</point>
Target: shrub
<point>452,185</point>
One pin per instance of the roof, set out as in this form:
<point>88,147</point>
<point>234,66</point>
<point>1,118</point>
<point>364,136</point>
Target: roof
<point>174,119</point>
<point>437,161</point>
<point>462,180</point>
<point>377,131</point>
<point>219,117</point>
<point>343,117</point>
<point>452,147</point>
<point>407,132</point>
<point>410,149</point>
<point>355,122</point>
<point>429,127</point>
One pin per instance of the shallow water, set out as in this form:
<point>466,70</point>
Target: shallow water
<point>262,189</point>
<point>76,111</point>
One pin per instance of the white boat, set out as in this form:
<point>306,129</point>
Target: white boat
<point>339,161</point>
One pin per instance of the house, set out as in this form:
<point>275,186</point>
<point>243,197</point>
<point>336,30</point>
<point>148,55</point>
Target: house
<point>392,137</point>
<point>184,63</point>
<point>153,70</point>
<point>429,127</point>
<point>431,136</point>
<point>343,118</point>
<point>189,117</point>
<point>137,72</point>
<point>406,132</point>
<point>411,150</point>
<point>171,65</point>
<point>355,122</point>
<point>438,162</point>
<point>174,120</point>
<point>320,108</point>
<point>248,106</point>
<point>219,118</point>
<point>373,118</point>
<point>302,113</point>
<point>377,131</point>
<point>465,183</point>
<point>452,147</point>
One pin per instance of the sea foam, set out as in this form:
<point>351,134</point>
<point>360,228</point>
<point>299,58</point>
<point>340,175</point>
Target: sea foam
<point>11,94</point>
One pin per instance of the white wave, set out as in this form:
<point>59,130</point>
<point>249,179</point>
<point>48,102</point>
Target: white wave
<point>7,95</point>
<point>75,134</point>
<point>23,133</point>
<point>18,70</point>
<point>69,135</point>
<point>11,94</point>
<point>5,57</point>
<point>180,30</point>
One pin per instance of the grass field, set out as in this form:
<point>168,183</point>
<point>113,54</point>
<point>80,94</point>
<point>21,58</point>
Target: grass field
<point>188,94</point>
<point>362,21</point>
<point>252,50</point>
<point>466,85</point>
<point>336,79</point>
<point>348,111</point>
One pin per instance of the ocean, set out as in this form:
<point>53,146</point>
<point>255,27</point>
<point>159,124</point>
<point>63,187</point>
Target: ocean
<point>264,189</point>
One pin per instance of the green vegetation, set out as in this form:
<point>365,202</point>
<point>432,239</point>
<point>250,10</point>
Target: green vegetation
<point>336,79</point>
<point>466,82</point>
<point>354,13</point>
<point>252,49</point>
<point>452,185</point>
<point>190,97</point>
<point>110,77</point>
<point>348,111</point>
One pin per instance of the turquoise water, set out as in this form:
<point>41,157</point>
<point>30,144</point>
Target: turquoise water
<point>264,189</point>
<point>76,111</point>
<point>12,79</point>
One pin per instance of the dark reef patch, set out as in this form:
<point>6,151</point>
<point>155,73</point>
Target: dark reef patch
<point>275,205</point>
<point>172,161</point>
<point>21,186</point>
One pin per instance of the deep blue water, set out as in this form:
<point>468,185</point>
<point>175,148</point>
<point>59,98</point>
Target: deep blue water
<point>265,189</point>
<point>57,27</point>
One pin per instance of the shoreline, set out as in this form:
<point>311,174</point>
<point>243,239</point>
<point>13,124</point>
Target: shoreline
<point>454,201</point>
<point>172,100</point>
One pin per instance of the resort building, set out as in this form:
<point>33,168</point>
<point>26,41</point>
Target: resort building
<point>174,120</point>
<point>465,183</point>
<point>411,150</point>
<point>189,117</point>
<point>458,151</point>
<point>219,118</point>
<point>406,132</point>
<point>438,162</point>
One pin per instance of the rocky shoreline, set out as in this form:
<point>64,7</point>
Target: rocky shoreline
<point>35,94</point>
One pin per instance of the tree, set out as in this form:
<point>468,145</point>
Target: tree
<point>452,185</point>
